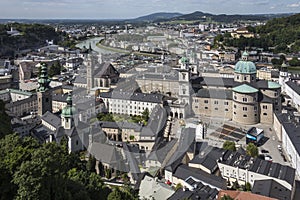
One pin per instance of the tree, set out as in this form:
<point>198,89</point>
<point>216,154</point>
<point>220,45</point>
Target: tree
<point>13,151</point>
<point>55,69</point>
<point>248,186</point>
<point>89,183</point>
<point>91,164</point>
<point>252,150</point>
<point>178,186</point>
<point>116,194</point>
<point>145,115</point>
<point>125,178</point>
<point>226,197</point>
<point>42,177</point>
<point>229,145</point>
<point>294,62</point>
<point>235,185</point>
<point>108,173</point>
<point>5,127</point>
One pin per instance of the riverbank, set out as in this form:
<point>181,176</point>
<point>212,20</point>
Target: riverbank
<point>118,50</point>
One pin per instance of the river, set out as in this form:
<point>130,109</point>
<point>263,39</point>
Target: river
<point>93,42</point>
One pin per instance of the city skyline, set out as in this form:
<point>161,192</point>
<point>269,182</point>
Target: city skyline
<point>127,9</point>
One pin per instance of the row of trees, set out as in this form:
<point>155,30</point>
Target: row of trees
<point>251,149</point>
<point>29,170</point>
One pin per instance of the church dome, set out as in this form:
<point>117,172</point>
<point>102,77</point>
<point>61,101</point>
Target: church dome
<point>69,110</point>
<point>184,60</point>
<point>244,66</point>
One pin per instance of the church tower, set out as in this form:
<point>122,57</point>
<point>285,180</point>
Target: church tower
<point>90,72</point>
<point>184,83</point>
<point>67,118</point>
<point>283,76</point>
<point>44,95</point>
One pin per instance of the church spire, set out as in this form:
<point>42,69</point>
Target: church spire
<point>43,81</point>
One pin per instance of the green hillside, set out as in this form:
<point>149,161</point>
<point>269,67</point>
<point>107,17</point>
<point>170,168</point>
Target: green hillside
<point>282,34</point>
<point>31,36</point>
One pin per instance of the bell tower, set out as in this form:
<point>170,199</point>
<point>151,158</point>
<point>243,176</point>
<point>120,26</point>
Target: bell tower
<point>67,120</point>
<point>44,95</point>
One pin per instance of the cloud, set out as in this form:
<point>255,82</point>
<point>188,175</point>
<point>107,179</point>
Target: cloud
<point>293,5</point>
<point>134,8</point>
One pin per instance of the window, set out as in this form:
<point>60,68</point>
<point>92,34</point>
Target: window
<point>226,109</point>
<point>245,99</point>
<point>216,102</point>
<point>237,77</point>
<point>265,107</point>
<point>205,108</point>
<point>205,101</point>
<point>245,78</point>
<point>234,106</point>
<point>244,115</point>
<point>226,103</point>
<point>196,106</point>
<point>255,108</point>
<point>252,78</point>
<point>265,114</point>
<point>245,109</point>
<point>216,108</point>
<point>234,113</point>
<point>234,97</point>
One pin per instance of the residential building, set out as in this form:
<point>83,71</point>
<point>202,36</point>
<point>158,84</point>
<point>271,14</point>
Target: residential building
<point>235,166</point>
<point>286,126</point>
<point>130,103</point>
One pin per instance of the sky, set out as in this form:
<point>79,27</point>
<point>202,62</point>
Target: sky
<point>127,9</point>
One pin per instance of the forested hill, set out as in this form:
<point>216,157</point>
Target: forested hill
<point>282,34</point>
<point>31,36</point>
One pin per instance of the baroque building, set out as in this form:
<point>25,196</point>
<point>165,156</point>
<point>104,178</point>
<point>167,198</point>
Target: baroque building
<point>243,99</point>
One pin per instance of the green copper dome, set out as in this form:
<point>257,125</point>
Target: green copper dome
<point>273,85</point>
<point>69,110</point>
<point>184,60</point>
<point>245,89</point>
<point>244,66</point>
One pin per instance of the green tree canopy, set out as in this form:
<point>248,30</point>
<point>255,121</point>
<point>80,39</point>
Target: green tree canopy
<point>294,62</point>
<point>226,197</point>
<point>5,127</point>
<point>229,145</point>
<point>252,150</point>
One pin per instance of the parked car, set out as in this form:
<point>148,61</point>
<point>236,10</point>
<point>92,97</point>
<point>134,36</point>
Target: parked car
<point>264,151</point>
<point>268,158</point>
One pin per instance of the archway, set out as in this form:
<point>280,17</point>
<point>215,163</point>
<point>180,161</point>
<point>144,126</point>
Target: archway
<point>180,115</point>
<point>176,115</point>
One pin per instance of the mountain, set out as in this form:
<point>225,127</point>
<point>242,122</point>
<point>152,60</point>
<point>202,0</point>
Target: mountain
<point>156,16</point>
<point>201,16</point>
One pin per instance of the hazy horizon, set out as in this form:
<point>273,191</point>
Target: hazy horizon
<point>129,9</point>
